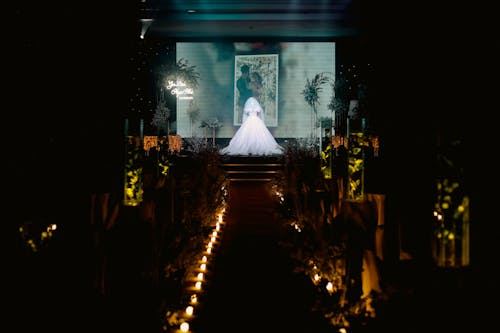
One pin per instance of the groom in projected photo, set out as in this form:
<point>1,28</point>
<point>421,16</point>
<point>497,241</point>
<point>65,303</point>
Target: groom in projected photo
<point>244,91</point>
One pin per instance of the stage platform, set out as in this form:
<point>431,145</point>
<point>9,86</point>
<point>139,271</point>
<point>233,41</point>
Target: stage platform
<point>252,168</point>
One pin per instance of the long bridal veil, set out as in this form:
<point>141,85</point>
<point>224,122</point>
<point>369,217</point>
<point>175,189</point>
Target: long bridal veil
<point>253,137</point>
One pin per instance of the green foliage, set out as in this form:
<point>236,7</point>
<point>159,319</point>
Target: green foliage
<point>451,206</point>
<point>161,116</point>
<point>313,88</point>
<point>163,156</point>
<point>181,70</point>
<point>355,160</point>
<point>200,192</point>
<point>326,165</point>
<point>317,239</point>
<point>452,209</point>
<point>187,73</point>
<point>340,98</point>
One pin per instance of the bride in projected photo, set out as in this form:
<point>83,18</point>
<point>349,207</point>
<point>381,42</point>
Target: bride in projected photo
<point>253,137</point>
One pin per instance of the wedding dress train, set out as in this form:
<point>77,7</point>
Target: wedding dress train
<point>253,137</point>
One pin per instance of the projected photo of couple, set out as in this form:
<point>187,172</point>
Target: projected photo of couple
<point>256,76</point>
<point>255,106</point>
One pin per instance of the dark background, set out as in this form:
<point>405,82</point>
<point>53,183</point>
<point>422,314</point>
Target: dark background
<point>68,70</point>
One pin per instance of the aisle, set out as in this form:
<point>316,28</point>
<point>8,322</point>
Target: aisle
<point>252,287</point>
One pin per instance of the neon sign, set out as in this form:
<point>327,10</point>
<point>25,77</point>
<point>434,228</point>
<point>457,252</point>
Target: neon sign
<point>180,89</point>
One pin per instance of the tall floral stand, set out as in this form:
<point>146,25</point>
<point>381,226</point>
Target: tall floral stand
<point>133,169</point>
<point>355,158</point>
<point>451,241</point>
<point>362,266</point>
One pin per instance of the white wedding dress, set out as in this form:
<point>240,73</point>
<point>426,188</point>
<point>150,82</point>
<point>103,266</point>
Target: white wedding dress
<point>253,136</point>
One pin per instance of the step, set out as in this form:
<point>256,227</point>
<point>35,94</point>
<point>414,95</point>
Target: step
<point>252,168</point>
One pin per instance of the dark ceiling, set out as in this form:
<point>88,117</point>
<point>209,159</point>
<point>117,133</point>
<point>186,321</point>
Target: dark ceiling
<point>410,43</point>
<point>249,18</point>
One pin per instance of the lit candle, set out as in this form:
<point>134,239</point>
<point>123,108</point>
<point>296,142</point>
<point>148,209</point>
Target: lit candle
<point>184,327</point>
<point>189,310</point>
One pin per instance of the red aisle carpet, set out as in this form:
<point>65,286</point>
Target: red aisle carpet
<point>252,287</point>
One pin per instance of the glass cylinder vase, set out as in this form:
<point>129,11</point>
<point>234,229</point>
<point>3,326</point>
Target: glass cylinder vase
<point>133,180</point>
<point>355,158</point>
<point>451,241</point>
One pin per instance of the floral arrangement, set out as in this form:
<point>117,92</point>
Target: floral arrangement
<point>174,143</point>
<point>150,142</point>
<point>213,124</point>
<point>200,195</point>
<point>161,117</point>
<point>318,239</point>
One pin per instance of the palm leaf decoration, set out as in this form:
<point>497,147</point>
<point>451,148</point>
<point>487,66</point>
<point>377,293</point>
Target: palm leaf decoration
<point>187,73</point>
<point>313,88</point>
<point>179,71</point>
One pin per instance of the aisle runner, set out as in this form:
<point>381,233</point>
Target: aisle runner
<point>253,288</point>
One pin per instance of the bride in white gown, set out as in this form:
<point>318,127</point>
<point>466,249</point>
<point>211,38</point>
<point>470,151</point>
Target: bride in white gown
<point>253,136</point>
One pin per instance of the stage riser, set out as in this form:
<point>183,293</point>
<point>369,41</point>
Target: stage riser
<point>243,168</point>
